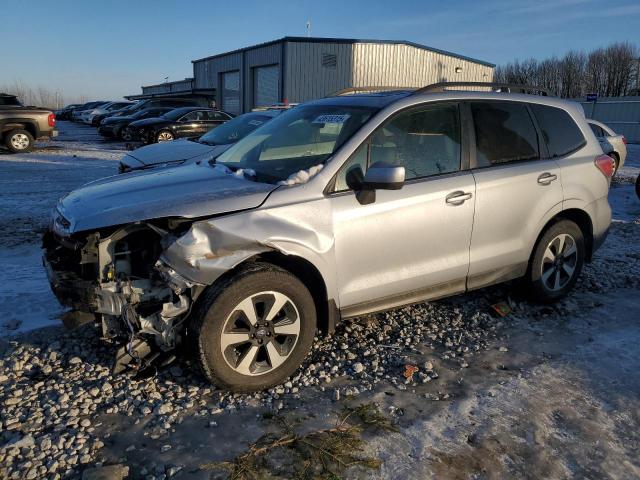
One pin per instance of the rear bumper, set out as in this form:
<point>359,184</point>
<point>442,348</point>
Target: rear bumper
<point>600,212</point>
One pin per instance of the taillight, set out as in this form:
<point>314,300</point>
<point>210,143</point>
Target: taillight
<point>606,165</point>
<point>52,120</point>
<point>624,139</point>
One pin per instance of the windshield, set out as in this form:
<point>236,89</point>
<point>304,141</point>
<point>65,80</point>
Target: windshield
<point>156,112</point>
<point>235,129</point>
<point>176,113</point>
<point>296,140</point>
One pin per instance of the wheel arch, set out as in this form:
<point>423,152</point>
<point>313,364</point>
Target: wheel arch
<point>327,312</point>
<point>577,216</point>
<point>19,124</point>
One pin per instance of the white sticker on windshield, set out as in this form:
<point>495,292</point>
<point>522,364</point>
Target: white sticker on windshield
<point>256,122</point>
<point>332,118</point>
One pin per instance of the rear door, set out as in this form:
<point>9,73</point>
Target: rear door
<point>517,185</point>
<point>412,243</point>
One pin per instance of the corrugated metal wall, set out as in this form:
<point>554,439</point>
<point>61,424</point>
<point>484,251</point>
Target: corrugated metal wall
<point>207,71</point>
<point>401,65</point>
<point>622,114</point>
<point>306,78</point>
<point>315,69</point>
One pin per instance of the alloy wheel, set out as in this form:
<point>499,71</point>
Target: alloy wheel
<point>20,141</point>
<point>165,137</point>
<point>260,333</point>
<point>559,262</point>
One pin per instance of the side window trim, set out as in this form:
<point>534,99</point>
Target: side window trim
<point>465,144</point>
<point>543,147</point>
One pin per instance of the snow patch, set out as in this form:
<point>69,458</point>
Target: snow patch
<point>240,173</point>
<point>303,176</point>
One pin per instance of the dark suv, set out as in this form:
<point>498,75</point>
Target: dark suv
<point>179,123</point>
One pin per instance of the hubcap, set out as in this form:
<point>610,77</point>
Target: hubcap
<point>165,137</point>
<point>20,141</point>
<point>260,333</point>
<point>559,262</point>
<point>126,134</point>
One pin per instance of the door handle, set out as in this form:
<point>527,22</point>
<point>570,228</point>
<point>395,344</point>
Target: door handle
<point>458,197</point>
<point>546,178</point>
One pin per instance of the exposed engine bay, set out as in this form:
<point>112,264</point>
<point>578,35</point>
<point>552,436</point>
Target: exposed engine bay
<point>116,278</point>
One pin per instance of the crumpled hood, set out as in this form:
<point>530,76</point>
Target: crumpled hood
<point>169,151</point>
<point>187,191</point>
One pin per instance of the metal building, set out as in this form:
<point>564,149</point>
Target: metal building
<point>297,69</point>
<point>180,88</point>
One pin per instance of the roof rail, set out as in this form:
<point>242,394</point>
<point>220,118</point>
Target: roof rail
<point>496,87</point>
<point>346,91</point>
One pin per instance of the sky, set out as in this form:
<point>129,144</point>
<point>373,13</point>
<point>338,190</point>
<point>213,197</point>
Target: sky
<point>109,48</point>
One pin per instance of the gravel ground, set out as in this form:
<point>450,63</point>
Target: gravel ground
<point>488,395</point>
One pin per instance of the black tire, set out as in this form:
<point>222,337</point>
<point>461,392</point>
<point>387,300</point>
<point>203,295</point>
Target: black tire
<point>15,139</point>
<point>638,186</point>
<point>550,282</point>
<point>218,306</point>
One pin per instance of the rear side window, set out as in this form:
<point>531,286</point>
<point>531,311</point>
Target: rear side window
<point>504,133</point>
<point>560,132</point>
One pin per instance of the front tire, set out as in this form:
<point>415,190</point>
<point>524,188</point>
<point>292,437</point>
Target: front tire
<point>557,261</point>
<point>251,331</point>
<point>19,141</point>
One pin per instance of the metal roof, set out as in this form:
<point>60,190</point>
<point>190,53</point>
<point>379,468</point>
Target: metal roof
<point>347,40</point>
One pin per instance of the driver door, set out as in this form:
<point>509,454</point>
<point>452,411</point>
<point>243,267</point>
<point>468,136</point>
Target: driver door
<point>409,244</point>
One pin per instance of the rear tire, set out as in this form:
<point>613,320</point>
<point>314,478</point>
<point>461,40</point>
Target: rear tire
<point>252,330</point>
<point>19,141</point>
<point>557,261</point>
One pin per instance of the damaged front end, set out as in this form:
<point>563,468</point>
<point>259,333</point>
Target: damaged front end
<point>115,277</point>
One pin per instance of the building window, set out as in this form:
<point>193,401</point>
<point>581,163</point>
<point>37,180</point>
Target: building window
<point>458,69</point>
<point>329,60</point>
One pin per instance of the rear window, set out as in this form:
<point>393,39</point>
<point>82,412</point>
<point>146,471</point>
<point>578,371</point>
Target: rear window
<point>504,133</point>
<point>560,132</point>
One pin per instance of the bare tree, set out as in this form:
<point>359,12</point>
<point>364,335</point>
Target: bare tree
<point>608,71</point>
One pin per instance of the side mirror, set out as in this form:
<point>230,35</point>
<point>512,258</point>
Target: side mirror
<point>384,176</point>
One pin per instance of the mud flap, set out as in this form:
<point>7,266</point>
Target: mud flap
<point>134,351</point>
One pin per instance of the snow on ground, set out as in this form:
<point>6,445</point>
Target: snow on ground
<point>549,391</point>
<point>30,186</point>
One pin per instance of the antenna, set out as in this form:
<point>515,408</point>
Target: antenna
<point>166,79</point>
<point>308,28</point>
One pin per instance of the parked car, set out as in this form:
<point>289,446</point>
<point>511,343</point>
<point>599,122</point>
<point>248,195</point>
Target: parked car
<point>76,113</point>
<point>612,143</point>
<point>179,123</point>
<point>206,147</point>
<point>88,115</point>
<point>337,208</point>
<point>115,127</point>
<point>65,113</point>
<point>153,102</point>
<point>20,126</point>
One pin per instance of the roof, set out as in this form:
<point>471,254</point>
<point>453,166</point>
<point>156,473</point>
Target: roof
<point>347,40</point>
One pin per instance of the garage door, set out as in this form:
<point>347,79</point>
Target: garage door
<point>265,85</point>
<point>231,92</point>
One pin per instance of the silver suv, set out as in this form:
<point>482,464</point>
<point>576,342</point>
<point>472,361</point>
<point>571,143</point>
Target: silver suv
<point>337,208</point>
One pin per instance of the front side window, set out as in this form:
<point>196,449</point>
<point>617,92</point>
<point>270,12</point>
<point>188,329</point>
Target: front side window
<point>296,140</point>
<point>504,133</point>
<point>559,131</point>
<point>425,141</point>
